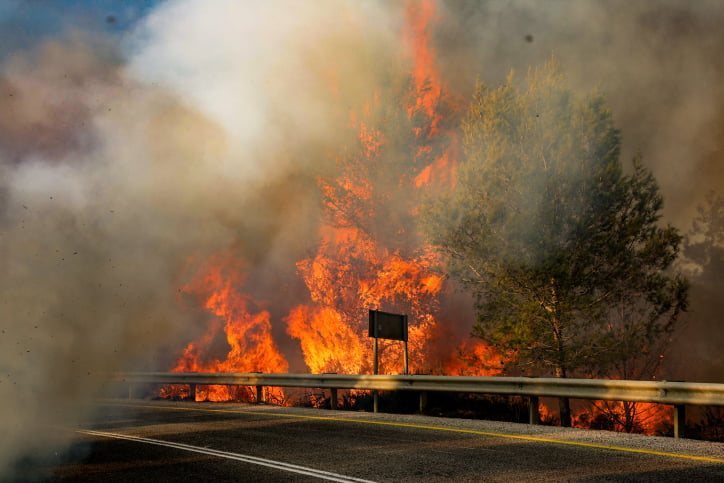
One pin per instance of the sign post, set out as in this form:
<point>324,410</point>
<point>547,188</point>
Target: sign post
<point>384,325</point>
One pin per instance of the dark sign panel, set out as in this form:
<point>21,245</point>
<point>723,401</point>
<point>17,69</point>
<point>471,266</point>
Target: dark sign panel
<point>385,325</point>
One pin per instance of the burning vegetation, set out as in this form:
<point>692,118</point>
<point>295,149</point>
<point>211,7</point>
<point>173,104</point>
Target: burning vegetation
<point>371,253</point>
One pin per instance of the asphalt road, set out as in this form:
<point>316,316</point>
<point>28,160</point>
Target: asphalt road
<point>174,441</point>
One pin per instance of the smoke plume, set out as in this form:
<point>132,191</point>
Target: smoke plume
<point>120,165</point>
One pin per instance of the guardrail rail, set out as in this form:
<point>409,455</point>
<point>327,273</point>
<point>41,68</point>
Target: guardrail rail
<point>677,394</point>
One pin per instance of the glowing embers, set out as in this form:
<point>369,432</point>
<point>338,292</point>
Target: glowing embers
<point>625,416</point>
<point>620,416</point>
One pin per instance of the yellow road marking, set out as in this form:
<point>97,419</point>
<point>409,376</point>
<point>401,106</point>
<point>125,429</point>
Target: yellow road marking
<point>708,459</point>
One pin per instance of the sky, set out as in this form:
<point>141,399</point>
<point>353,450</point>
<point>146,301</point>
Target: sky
<point>26,22</point>
<point>138,134</point>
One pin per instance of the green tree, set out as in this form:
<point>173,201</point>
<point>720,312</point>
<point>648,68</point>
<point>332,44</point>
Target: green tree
<point>562,249</point>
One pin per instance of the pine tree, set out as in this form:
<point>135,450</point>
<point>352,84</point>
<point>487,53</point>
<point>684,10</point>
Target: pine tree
<point>562,249</point>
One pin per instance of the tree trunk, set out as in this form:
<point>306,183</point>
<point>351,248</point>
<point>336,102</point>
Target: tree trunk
<point>564,407</point>
<point>629,416</point>
<point>564,404</point>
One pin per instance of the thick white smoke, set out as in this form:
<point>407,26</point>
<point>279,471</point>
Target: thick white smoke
<point>117,166</point>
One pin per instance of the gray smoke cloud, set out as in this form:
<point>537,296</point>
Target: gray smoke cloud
<point>657,63</point>
<point>208,126</point>
<point>104,190</point>
<point>204,130</point>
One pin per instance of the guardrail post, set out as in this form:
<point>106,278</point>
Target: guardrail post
<point>679,420</point>
<point>259,394</point>
<point>423,400</point>
<point>333,398</point>
<point>192,392</point>
<point>533,410</point>
<point>130,390</point>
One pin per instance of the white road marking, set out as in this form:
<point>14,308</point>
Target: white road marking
<point>280,465</point>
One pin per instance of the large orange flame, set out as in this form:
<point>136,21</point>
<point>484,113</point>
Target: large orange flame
<point>358,266</point>
<point>249,344</point>
<point>426,78</point>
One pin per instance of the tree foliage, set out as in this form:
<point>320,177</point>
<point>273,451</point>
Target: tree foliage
<point>562,248</point>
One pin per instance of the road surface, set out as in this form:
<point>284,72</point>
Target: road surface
<point>174,441</point>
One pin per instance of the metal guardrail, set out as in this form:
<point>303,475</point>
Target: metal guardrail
<point>678,394</point>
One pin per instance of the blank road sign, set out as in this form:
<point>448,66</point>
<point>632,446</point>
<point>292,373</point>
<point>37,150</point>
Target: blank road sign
<point>385,325</point>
